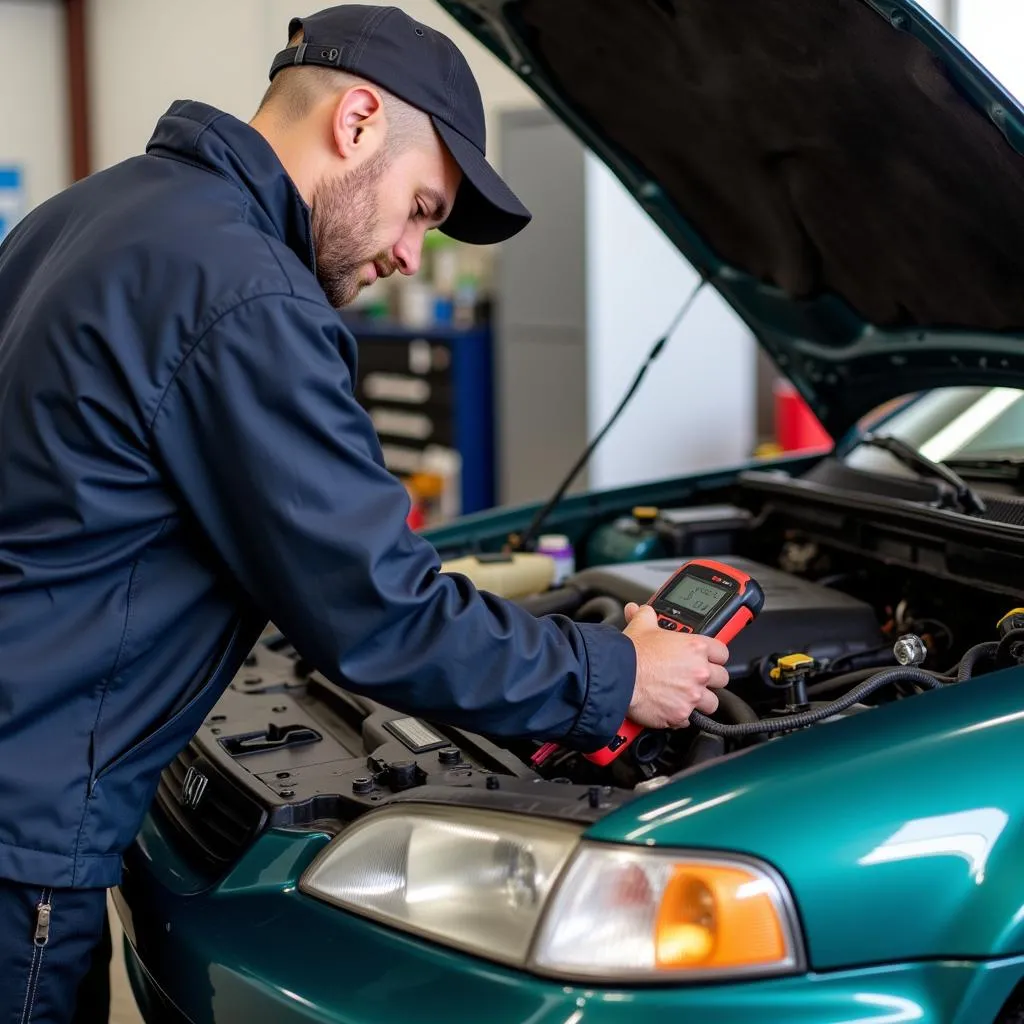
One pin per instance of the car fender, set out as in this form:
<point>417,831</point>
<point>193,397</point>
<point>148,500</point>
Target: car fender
<point>898,830</point>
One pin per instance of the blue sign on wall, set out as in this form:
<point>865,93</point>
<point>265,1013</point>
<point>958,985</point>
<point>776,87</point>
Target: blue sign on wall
<point>12,198</point>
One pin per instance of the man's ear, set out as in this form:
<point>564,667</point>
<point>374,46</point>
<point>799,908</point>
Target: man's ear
<point>358,124</point>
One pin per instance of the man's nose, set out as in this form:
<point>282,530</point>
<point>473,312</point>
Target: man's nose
<point>408,254</point>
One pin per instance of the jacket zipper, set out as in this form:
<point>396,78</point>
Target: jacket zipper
<point>43,922</point>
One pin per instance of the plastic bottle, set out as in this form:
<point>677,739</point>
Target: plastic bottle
<point>558,547</point>
<point>465,303</point>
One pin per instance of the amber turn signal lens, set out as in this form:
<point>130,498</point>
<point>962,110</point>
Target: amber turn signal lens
<point>716,916</point>
<point>623,913</point>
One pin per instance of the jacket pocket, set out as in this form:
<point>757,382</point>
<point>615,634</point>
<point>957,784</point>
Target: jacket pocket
<point>169,726</point>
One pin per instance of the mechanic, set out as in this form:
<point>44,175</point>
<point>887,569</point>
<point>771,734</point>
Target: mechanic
<point>183,461</point>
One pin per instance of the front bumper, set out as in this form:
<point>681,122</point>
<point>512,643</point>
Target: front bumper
<point>253,949</point>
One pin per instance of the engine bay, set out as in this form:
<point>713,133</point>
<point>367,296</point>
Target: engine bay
<point>840,634</point>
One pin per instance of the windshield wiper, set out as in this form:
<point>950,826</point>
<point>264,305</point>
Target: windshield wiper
<point>1000,468</point>
<point>967,498</point>
<point>997,465</point>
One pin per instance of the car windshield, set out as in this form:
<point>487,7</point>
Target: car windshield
<point>950,425</point>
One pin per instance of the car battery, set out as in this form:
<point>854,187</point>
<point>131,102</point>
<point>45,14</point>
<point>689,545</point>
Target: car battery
<point>701,530</point>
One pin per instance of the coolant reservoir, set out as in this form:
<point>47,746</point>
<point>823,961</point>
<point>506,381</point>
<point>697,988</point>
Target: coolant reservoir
<point>632,538</point>
<point>689,532</point>
<point>515,575</point>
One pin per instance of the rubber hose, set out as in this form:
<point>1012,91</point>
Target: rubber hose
<point>805,718</point>
<point>853,678</point>
<point>735,708</point>
<point>970,660</point>
<point>562,601</point>
<point>602,609</point>
<point>1004,659</point>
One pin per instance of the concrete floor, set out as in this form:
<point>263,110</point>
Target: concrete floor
<point>122,1003</point>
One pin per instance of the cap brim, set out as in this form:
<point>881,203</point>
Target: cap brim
<point>485,210</point>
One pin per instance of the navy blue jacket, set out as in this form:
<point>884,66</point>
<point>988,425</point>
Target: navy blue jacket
<point>182,460</point>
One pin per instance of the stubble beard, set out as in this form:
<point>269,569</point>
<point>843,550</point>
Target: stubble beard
<point>345,216</point>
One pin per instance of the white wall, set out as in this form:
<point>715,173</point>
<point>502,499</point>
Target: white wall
<point>33,104</point>
<point>936,8</point>
<point>993,30</point>
<point>147,53</point>
<point>696,406</point>
<point>144,54</point>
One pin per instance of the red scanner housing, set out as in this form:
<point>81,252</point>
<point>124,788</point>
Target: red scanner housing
<point>702,597</point>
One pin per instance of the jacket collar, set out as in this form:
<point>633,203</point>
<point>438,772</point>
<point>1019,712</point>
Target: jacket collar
<point>208,137</point>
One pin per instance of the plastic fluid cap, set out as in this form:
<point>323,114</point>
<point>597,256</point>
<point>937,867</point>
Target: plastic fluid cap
<point>645,513</point>
<point>553,543</point>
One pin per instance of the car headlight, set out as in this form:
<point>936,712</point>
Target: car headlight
<point>470,879</point>
<point>527,891</point>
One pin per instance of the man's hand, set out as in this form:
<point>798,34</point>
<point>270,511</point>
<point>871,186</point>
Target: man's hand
<point>675,672</point>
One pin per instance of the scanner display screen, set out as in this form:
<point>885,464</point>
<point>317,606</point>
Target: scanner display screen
<point>696,595</point>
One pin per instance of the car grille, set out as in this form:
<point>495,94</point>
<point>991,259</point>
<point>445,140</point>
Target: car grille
<point>211,821</point>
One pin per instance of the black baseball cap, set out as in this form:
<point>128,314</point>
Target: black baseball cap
<point>426,69</point>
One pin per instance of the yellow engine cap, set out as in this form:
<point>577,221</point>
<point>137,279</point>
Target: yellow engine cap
<point>791,663</point>
<point>644,513</point>
<point>1009,615</point>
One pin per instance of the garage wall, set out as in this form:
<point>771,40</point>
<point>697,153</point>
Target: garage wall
<point>636,284</point>
<point>936,8</point>
<point>218,51</point>
<point>189,49</point>
<point>993,30</point>
<point>33,108</point>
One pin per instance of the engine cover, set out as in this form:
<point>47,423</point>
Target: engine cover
<point>798,615</point>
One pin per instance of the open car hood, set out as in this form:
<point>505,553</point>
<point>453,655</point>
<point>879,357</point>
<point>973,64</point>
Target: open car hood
<point>842,171</point>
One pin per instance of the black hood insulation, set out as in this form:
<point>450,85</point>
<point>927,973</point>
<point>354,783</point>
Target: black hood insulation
<point>812,144</point>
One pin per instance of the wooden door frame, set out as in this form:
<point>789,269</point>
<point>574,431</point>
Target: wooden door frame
<point>77,87</point>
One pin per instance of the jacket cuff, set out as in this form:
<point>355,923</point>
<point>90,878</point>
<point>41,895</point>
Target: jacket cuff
<point>611,678</point>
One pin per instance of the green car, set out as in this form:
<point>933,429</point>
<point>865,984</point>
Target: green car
<point>843,842</point>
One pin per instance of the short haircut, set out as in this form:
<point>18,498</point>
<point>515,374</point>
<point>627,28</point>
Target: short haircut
<point>295,90</point>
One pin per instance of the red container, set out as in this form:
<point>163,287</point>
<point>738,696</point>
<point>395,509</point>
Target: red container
<point>796,427</point>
